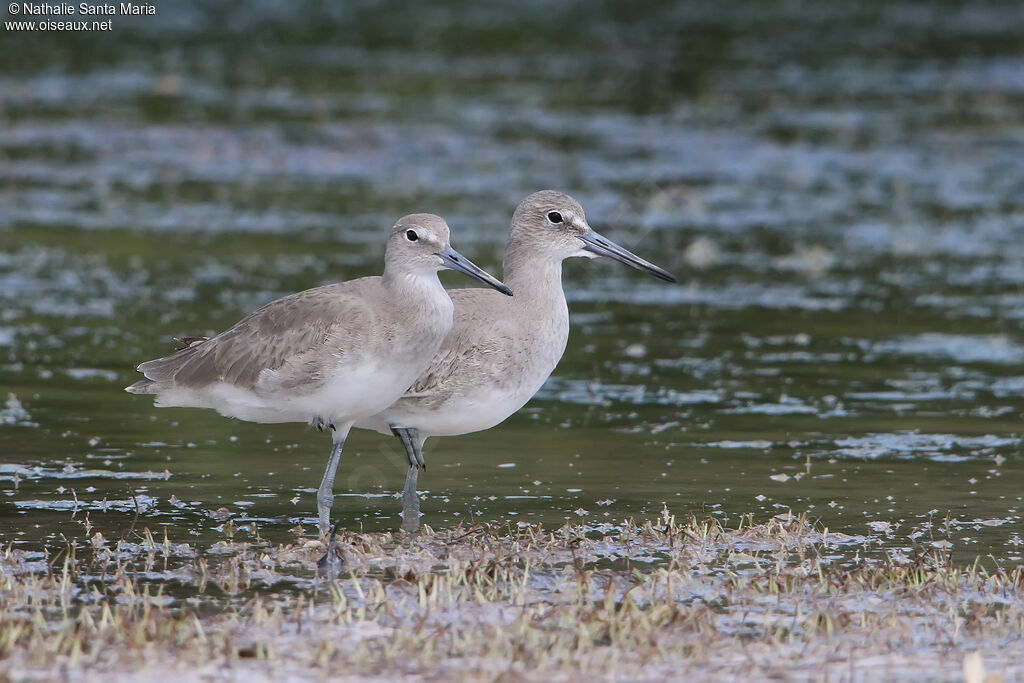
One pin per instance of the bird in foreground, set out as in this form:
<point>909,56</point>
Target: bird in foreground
<point>329,356</point>
<point>499,351</point>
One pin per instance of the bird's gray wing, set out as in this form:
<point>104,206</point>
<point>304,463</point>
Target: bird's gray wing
<point>295,338</point>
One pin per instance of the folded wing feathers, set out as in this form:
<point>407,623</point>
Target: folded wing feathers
<point>280,333</point>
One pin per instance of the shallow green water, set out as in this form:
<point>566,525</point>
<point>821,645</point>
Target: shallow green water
<point>840,190</point>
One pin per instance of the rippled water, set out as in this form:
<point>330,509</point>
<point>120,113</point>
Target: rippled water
<point>841,190</point>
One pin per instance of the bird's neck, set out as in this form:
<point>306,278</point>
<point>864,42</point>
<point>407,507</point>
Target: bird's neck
<point>417,289</point>
<point>535,279</point>
<point>534,276</point>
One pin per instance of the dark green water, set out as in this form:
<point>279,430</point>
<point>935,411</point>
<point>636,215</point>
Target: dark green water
<point>841,190</point>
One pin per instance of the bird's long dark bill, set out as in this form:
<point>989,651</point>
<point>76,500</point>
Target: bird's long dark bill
<point>457,261</point>
<point>603,246</point>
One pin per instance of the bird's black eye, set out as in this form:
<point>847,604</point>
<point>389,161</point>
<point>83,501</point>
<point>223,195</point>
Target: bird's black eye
<point>411,235</point>
<point>555,217</point>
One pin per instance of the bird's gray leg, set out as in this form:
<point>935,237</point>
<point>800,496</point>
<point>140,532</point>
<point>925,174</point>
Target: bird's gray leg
<point>410,438</point>
<point>325,495</point>
<point>413,444</point>
<point>411,502</point>
<point>331,564</point>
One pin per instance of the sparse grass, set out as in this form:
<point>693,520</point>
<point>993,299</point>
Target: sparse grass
<point>653,600</point>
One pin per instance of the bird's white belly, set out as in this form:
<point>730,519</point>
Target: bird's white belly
<point>462,413</point>
<point>347,395</point>
<point>473,413</point>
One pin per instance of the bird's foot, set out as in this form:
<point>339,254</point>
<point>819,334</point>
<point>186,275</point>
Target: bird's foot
<point>331,565</point>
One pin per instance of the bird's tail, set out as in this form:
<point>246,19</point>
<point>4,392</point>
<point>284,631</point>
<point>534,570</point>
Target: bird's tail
<point>160,372</point>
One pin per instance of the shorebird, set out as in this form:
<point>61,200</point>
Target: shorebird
<point>499,351</point>
<point>329,356</point>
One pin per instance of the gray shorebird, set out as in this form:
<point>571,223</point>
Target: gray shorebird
<point>499,351</point>
<point>329,356</point>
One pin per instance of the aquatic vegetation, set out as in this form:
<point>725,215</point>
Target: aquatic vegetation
<point>648,600</point>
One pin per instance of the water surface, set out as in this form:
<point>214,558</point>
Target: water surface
<point>840,190</point>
